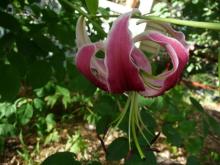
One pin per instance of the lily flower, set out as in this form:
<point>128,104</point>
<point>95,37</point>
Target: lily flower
<point>125,67</point>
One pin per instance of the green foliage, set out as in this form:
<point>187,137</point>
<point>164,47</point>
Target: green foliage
<point>135,159</point>
<point>58,158</point>
<point>6,129</point>
<point>9,85</point>
<point>39,74</point>
<point>196,104</point>
<point>106,108</point>
<point>192,161</point>
<point>79,83</point>
<point>52,137</point>
<point>9,22</point>
<point>92,6</point>
<point>118,149</point>
<point>76,144</point>
<point>24,113</point>
<point>172,135</point>
<point>60,93</point>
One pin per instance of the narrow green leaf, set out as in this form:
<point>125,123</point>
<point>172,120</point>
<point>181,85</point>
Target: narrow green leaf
<point>92,5</point>
<point>196,104</point>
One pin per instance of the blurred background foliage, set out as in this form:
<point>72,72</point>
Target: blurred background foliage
<point>41,91</point>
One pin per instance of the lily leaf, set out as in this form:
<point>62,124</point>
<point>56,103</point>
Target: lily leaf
<point>92,5</point>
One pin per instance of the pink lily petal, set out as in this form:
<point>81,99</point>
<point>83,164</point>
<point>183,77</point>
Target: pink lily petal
<point>124,67</point>
<point>140,60</point>
<point>122,74</point>
<point>168,28</point>
<point>94,72</point>
<point>157,85</point>
<point>81,34</point>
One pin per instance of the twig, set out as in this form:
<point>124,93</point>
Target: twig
<point>102,143</point>
<point>155,138</point>
<point>199,85</point>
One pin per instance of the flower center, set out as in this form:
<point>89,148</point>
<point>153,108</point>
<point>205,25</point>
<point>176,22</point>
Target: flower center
<point>135,122</point>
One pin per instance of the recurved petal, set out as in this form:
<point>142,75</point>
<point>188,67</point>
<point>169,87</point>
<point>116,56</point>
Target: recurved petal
<point>140,60</point>
<point>157,85</point>
<point>123,74</point>
<point>176,34</point>
<point>91,67</point>
<point>171,31</point>
<point>81,33</point>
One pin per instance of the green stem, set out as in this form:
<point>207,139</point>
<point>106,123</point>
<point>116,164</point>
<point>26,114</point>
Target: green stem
<point>219,66</point>
<point>134,110</point>
<point>142,133</point>
<point>77,8</point>
<point>138,122</point>
<point>197,24</point>
<point>129,120</point>
<point>122,114</point>
<point>143,125</point>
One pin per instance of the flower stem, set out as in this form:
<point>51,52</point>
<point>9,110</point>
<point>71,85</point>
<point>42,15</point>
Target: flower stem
<point>122,115</point>
<point>197,24</point>
<point>219,66</point>
<point>130,120</point>
<point>132,117</point>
